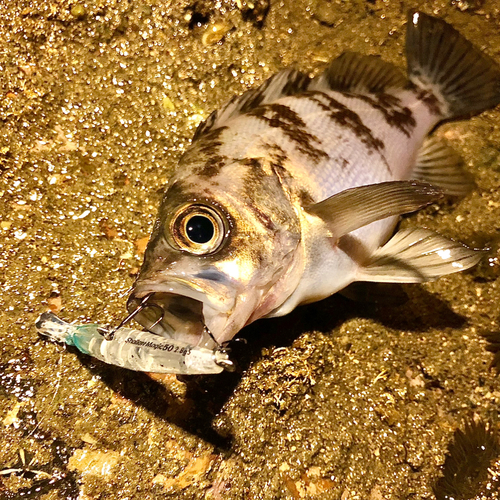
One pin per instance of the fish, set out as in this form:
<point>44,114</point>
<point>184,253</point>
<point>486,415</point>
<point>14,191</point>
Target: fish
<point>293,190</point>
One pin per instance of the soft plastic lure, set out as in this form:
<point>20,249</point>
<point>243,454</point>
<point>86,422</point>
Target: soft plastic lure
<point>134,349</point>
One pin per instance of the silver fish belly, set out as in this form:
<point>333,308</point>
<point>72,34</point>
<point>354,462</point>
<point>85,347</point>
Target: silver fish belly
<point>292,191</point>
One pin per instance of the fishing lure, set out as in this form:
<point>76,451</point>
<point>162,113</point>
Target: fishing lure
<point>134,349</point>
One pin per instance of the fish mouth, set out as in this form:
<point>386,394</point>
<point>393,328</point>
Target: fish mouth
<point>194,312</point>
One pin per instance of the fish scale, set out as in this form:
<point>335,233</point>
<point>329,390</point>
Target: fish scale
<point>333,144</point>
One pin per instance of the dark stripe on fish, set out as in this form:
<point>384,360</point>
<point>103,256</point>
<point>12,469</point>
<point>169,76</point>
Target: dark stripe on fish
<point>291,124</point>
<point>212,166</point>
<point>205,152</point>
<point>254,178</point>
<point>430,100</point>
<point>254,101</point>
<point>296,85</point>
<point>263,217</point>
<point>390,106</point>
<point>278,157</point>
<point>345,117</point>
<point>297,82</point>
<point>344,163</point>
<point>276,154</point>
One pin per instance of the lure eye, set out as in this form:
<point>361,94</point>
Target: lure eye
<point>197,229</point>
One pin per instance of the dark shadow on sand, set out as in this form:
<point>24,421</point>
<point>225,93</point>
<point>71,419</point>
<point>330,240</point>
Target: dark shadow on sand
<point>206,395</point>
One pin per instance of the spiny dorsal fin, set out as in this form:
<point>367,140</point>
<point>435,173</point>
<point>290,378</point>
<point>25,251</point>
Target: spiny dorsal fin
<point>416,255</point>
<point>438,164</point>
<point>352,72</point>
<point>357,207</point>
<point>440,60</point>
<point>286,82</point>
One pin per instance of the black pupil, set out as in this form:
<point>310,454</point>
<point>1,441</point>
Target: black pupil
<point>200,229</point>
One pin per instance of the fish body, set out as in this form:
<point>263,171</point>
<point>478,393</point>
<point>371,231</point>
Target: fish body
<point>292,191</point>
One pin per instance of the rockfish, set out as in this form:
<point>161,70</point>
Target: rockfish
<point>292,191</point>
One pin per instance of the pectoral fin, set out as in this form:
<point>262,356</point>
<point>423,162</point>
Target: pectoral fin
<point>417,255</point>
<point>354,208</point>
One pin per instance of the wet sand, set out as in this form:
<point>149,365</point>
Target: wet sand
<point>338,400</point>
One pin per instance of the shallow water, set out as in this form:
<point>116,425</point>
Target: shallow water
<point>338,400</point>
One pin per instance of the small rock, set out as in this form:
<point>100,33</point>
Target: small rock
<point>194,472</point>
<point>215,32</point>
<point>78,11</point>
<point>108,231</point>
<point>141,244</point>
<point>55,303</point>
<point>167,104</point>
<point>325,12</point>
<point>96,463</point>
<point>11,417</point>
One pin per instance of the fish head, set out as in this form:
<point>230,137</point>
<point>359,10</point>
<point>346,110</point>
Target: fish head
<point>223,252</point>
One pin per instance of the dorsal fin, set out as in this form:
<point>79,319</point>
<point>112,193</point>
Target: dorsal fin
<point>286,82</point>
<point>353,72</point>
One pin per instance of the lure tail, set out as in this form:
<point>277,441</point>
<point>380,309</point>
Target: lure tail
<point>49,325</point>
<point>445,65</point>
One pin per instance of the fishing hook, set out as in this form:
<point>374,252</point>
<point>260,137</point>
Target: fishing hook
<point>108,334</point>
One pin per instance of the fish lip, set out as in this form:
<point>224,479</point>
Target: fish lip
<point>194,289</point>
<point>193,298</point>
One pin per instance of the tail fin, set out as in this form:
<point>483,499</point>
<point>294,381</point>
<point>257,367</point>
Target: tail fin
<point>440,60</point>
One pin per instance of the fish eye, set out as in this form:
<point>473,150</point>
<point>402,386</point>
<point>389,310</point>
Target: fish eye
<point>200,229</point>
<point>197,229</point>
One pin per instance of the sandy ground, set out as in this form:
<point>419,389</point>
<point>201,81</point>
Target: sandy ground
<point>339,400</point>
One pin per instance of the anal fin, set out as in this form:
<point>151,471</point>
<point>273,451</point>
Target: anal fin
<point>417,255</point>
<point>439,165</point>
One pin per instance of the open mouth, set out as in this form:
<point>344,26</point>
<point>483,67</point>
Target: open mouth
<point>188,311</point>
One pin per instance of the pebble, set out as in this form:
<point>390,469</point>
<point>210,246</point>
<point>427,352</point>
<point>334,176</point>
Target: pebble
<point>215,32</point>
<point>78,11</point>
